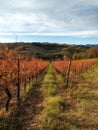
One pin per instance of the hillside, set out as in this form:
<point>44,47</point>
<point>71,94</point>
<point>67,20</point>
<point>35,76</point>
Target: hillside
<point>48,51</point>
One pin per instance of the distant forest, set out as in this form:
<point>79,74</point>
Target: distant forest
<point>53,51</point>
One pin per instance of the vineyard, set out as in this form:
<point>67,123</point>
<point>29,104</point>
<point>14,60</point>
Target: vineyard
<point>16,72</point>
<point>41,95</point>
<point>77,66</point>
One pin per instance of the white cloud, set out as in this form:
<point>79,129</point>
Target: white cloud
<point>83,34</point>
<point>53,17</point>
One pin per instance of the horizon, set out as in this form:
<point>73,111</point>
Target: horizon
<point>49,39</point>
<point>55,21</point>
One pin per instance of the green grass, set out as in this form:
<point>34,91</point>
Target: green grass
<point>79,101</point>
<point>52,103</point>
<point>52,91</point>
<point>74,108</point>
<point>91,73</point>
<point>83,99</point>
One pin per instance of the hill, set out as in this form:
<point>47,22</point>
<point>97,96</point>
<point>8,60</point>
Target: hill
<point>51,51</point>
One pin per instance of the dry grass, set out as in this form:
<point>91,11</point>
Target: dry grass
<point>80,101</point>
<point>74,108</point>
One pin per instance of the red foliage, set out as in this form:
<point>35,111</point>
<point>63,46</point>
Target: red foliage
<point>77,66</point>
<point>61,66</point>
<point>29,68</point>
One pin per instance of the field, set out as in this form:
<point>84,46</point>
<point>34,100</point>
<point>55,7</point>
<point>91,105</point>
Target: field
<point>41,95</point>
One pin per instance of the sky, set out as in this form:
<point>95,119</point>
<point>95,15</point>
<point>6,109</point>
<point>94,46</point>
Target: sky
<point>58,21</point>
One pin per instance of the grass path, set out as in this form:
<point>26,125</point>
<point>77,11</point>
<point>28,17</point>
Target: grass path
<point>42,106</point>
<point>51,102</point>
<point>49,106</point>
<point>78,103</point>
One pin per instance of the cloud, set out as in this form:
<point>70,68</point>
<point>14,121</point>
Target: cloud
<point>81,34</point>
<point>53,17</point>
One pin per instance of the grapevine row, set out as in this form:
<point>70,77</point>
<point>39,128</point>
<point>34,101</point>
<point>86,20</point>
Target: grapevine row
<point>77,66</point>
<point>17,71</point>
